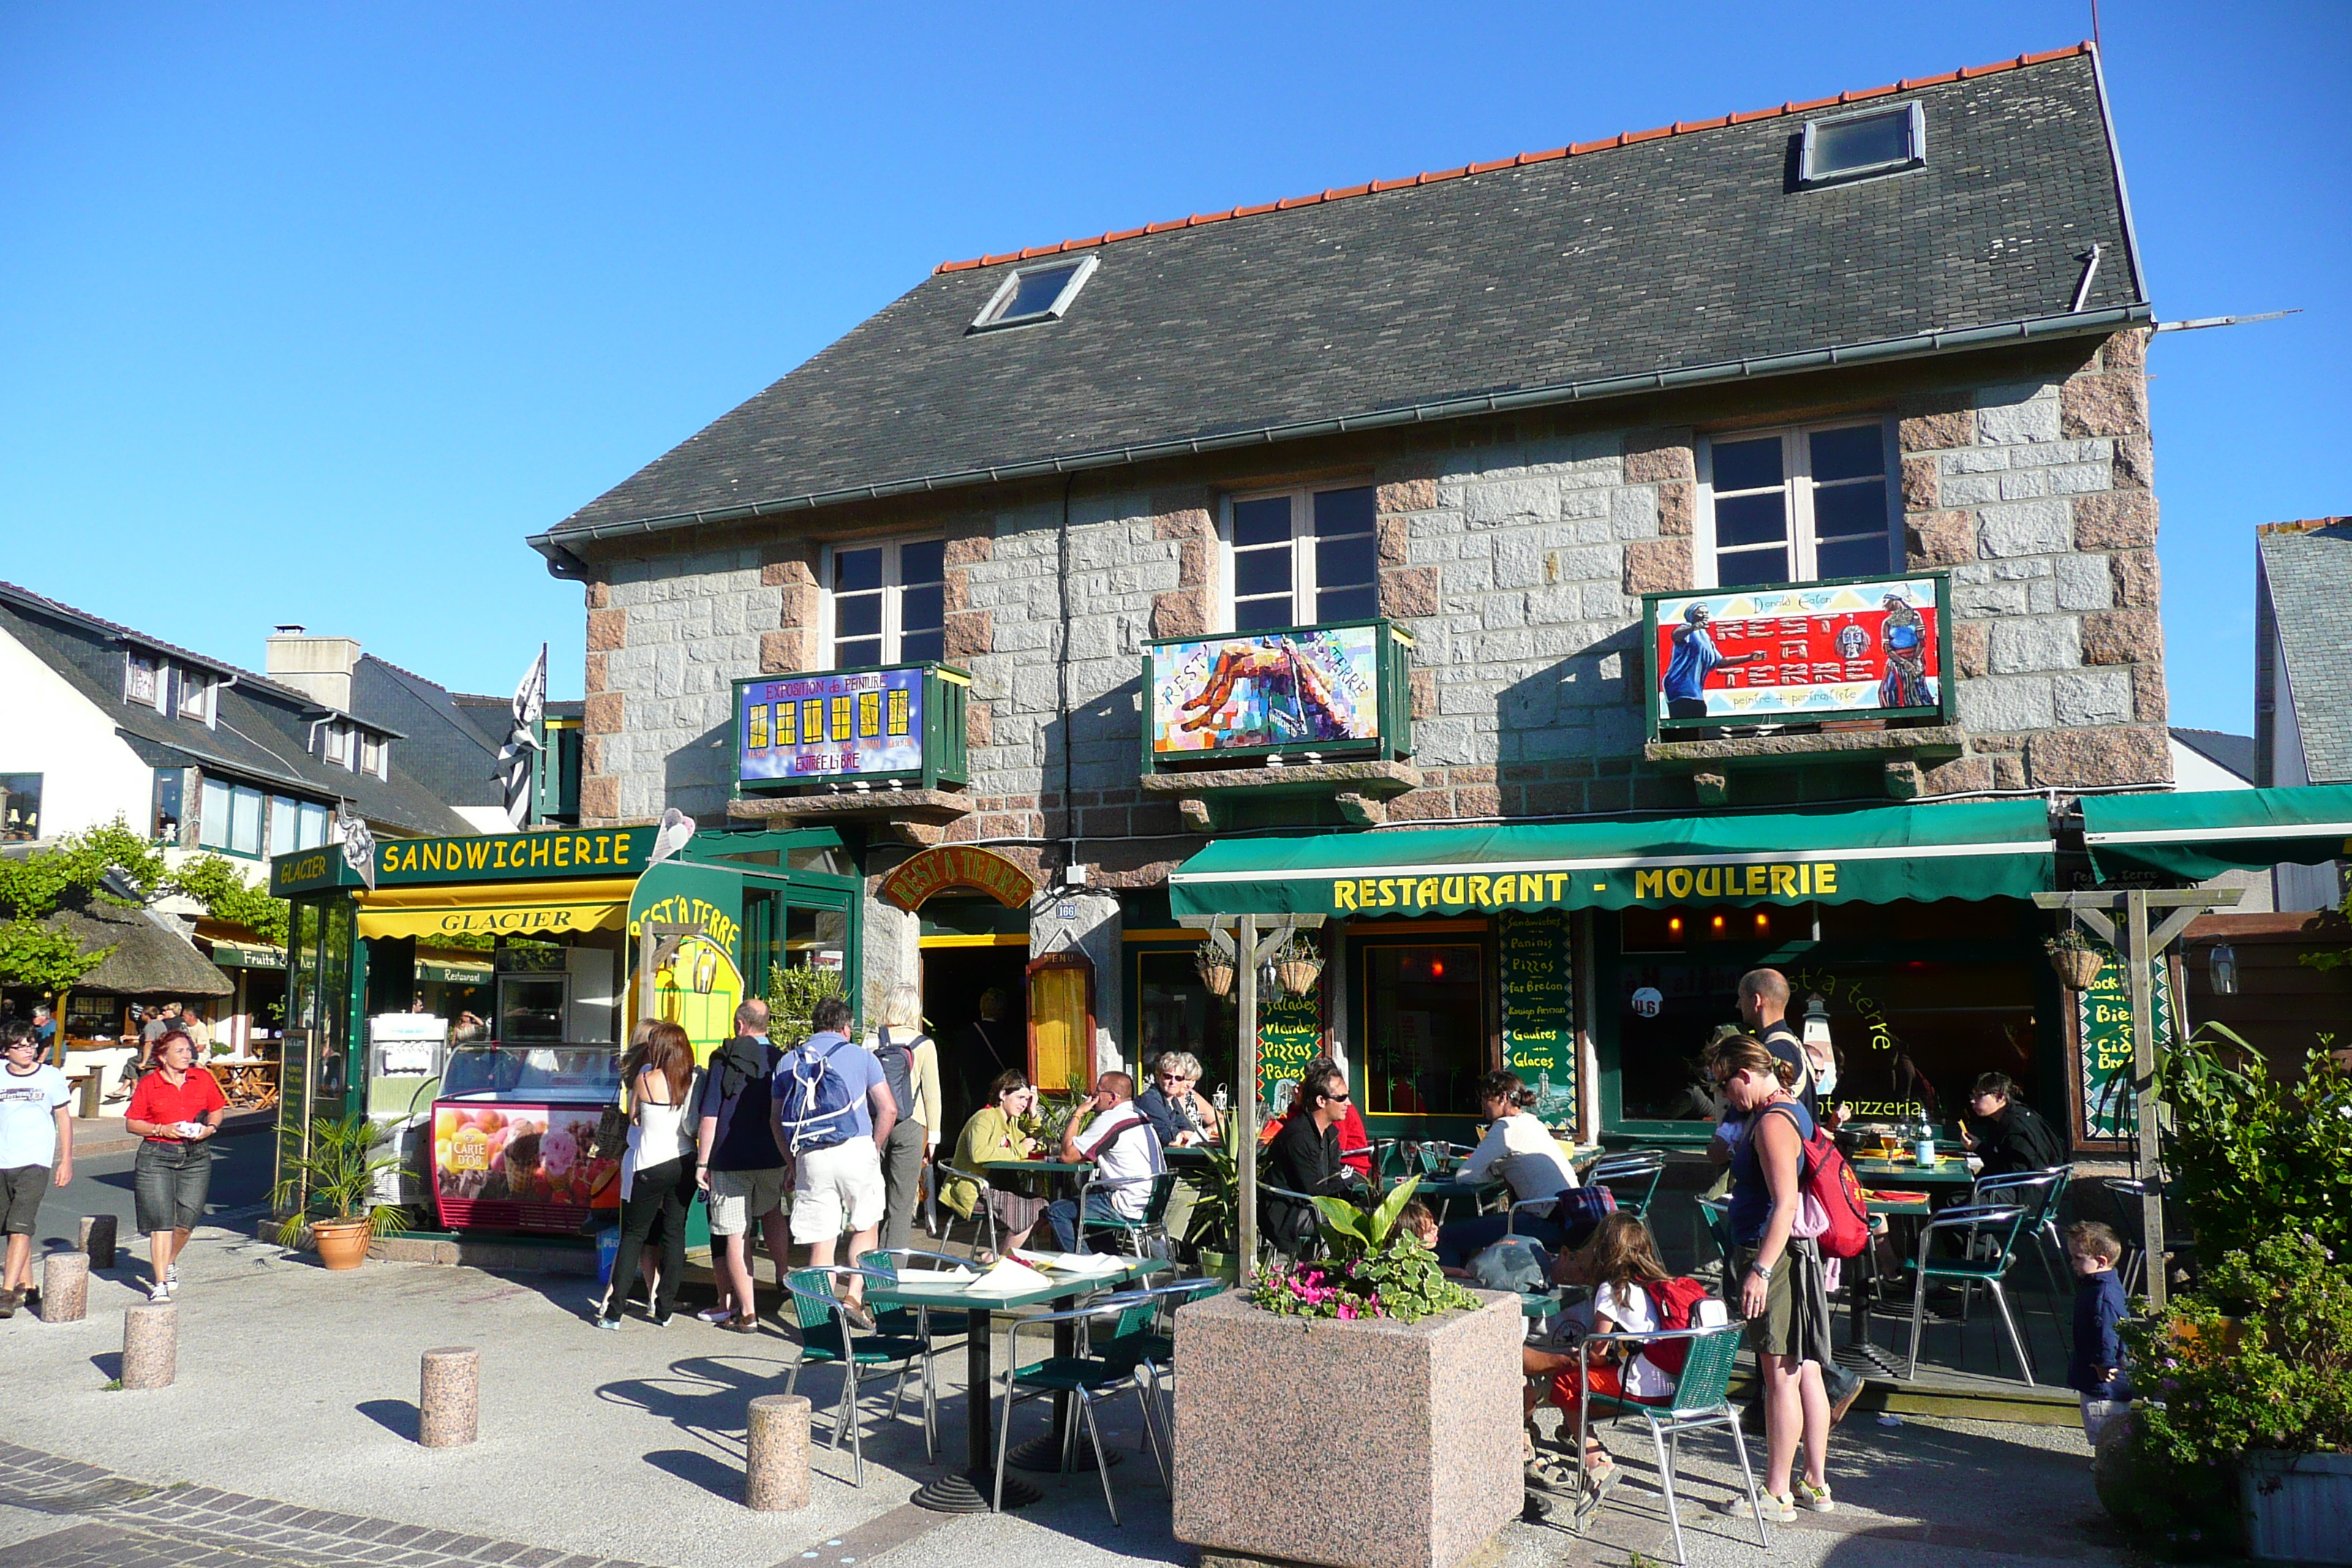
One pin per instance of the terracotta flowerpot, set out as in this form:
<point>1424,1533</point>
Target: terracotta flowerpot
<point>1297,975</point>
<point>2078,967</point>
<point>342,1243</point>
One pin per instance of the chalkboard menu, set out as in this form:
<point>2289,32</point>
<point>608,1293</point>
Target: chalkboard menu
<point>1540,1009</point>
<point>1289,1035</point>
<point>2106,1111</point>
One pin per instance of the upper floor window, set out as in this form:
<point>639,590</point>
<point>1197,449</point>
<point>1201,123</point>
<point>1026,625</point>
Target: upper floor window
<point>1040,293</point>
<point>338,743</point>
<point>1874,141</point>
<point>143,680</point>
<point>232,818</point>
<point>1797,506</point>
<point>20,807</point>
<point>192,695</point>
<point>371,753</point>
<point>1301,557</point>
<point>886,603</point>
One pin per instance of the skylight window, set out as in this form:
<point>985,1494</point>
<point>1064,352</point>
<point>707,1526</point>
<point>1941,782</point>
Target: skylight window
<point>1036,294</point>
<point>1876,142</point>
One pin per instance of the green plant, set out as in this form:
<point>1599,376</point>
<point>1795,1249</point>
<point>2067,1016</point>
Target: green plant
<point>2258,1356</point>
<point>2253,1155</point>
<point>792,997</point>
<point>1374,1269</point>
<point>2070,940</point>
<point>335,1181</point>
<point>226,895</point>
<point>1216,1211</point>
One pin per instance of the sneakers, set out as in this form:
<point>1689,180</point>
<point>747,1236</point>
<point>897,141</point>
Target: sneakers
<point>1779,1509</point>
<point>9,1302</point>
<point>611,1325</point>
<point>716,1314</point>
<point>1811,1497</point>
<point>171,1274</point>
<point>160,1292</point>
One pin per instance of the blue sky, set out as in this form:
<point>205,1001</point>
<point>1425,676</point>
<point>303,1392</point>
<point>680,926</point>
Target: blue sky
<point>313,313</point>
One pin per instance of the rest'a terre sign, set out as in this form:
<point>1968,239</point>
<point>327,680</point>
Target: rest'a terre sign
<point>946,866</point>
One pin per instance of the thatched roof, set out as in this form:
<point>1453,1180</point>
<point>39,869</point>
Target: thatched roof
<point>150,958</point>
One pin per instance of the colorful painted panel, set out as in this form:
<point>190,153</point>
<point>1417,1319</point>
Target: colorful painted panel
<point>1816,651</point>
<point>1273,689</point>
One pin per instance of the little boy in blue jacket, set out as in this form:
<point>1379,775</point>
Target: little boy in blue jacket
<point>2095,1371</point>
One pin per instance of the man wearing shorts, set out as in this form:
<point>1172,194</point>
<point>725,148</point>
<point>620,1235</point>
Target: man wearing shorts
<point>35,1151</point>
<point>837,1171</point>
<point>738,1165</point>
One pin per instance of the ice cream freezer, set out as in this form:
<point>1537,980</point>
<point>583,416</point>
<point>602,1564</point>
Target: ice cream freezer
<point>514,1130</point>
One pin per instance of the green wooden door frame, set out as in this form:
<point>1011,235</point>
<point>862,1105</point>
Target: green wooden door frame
<point>1455,1127</point>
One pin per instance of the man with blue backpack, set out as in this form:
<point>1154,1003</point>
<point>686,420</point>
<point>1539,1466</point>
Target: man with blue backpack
<point>832,1109</point>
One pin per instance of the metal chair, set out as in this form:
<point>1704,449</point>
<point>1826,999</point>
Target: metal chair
<point>1632,1178</point>
<point>981,1209</point>
<point>1089,1379</point>
<point>1701,1399</point>
<point>1153,1347</point>
<point>916,1320</point>
<point>1310,1244</point>
<point>1716,1214</point>
<point>1149,1225</point>
<point>2038,1192</point>
<point>2127,1193</point>
<point>2003,1224</point>
<point>826,1336</point>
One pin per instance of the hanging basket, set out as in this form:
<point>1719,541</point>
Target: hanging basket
<point>1298,975</point>
<point>1216,970</point>
<point>2078,967</point>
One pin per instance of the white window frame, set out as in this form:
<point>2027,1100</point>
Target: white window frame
<point>336,746</point>
<point>183,678</point>
<point>1305,590</point>
<point>160,667</point>
<point>1916,137</point>
<point>892,582</point>
<point>1797,488</point>
<point>383,768</point>
<point>988,321</point>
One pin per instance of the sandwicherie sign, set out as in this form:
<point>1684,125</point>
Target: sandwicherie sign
<point>485,858</point>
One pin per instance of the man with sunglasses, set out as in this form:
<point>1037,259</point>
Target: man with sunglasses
<point>1304,1157</point>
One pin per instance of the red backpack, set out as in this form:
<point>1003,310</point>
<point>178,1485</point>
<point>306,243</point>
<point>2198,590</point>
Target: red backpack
<point>1675,1301</point>
<point>1825,1177</point>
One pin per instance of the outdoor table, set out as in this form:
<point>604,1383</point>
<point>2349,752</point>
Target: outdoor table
<point>1440,1192</point>
<point>1864,1294</point>
<point>968,1490</point>
<point>1904,1173</point>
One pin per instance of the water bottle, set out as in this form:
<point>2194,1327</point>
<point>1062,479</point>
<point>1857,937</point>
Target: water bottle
<point>1222,1101</point>
<point>1925,1153</point>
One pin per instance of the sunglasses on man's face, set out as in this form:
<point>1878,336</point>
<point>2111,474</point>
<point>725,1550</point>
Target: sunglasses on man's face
<point>1339,1098</point>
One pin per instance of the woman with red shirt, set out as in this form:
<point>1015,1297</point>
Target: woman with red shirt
<point>176,1106</point>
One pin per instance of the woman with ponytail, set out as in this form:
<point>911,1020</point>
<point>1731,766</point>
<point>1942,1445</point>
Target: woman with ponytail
<point>1522,1150</point>
<point>1778,1273</point>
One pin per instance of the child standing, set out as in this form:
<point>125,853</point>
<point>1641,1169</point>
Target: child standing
<point>2095,1371</point>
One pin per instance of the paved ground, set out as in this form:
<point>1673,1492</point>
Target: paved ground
<point>289,1439</point>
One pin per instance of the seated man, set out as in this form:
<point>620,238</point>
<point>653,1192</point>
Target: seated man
<point>1118,1138</point>
<point>2009,1134</point>
<point>1304,1157</point>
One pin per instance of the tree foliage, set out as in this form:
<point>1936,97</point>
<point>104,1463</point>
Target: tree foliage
<point>2252,1154</point>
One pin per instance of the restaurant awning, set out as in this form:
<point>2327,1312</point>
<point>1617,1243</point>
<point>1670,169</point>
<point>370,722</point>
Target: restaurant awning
<point>512,908</point>
<point>228,955</point>
<point>1970,849</point>
<point>2197,834</point>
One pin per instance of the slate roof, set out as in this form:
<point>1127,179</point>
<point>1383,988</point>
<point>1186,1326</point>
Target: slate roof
<point>261,731</point>
<point>1666,258</point>
<point>2233,754</point>
<point>2306,580</point>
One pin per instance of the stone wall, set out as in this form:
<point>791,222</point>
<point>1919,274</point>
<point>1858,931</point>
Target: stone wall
<point>1515,554</point>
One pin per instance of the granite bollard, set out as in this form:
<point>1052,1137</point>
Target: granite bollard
<point>776,1453</point>
<point>1417,1466</point>
<point>151,1346</point>
<point>449,1396</point>
<point>64,1288</point>
<point>97,1238</point>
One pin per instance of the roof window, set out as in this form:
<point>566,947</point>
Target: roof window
<point>1876,142</point>
<point>1036,294</point>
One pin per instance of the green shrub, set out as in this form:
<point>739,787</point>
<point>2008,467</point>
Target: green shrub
<point>2250,1155</point>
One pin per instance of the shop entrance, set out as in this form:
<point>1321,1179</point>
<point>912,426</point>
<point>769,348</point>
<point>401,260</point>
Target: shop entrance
<point>964,978</point>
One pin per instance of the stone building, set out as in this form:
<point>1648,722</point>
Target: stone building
<point>1896,334</point>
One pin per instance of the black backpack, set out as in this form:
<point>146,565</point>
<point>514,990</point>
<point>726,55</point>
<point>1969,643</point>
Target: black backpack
<point>897,1058</point>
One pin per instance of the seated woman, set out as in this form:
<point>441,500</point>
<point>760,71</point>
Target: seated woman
<point>1623,1266</point>
<point>1522,1150</point>
<point>994,1133</point>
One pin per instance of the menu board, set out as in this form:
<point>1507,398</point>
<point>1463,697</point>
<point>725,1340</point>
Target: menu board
<point>2105,1108</point>
<point>1540,1009</point>
<point>1289,1035</point>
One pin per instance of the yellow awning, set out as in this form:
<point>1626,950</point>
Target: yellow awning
<point>492,909</point>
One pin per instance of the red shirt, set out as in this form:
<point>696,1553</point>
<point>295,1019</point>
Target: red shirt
<point>156,1100</point>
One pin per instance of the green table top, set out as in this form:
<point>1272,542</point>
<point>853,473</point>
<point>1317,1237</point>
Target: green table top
<point>1043,1167</point>
<point>914,1290</point>
<point>1947,1171</point>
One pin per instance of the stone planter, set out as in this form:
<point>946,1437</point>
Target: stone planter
<point>1358,1445</point>
<point>2297,1507</point>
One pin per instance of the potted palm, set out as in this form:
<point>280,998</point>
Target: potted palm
<point>329,1192</point>
<point>1217,1217</point>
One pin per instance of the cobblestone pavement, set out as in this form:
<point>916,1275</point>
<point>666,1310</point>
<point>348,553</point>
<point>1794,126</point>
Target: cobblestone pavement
<point>124,1523</point>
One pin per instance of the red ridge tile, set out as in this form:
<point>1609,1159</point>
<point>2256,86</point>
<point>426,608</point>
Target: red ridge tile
<point>1574,148</point>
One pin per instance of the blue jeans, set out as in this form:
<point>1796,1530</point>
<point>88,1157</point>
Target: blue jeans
<point>1062,1213</point>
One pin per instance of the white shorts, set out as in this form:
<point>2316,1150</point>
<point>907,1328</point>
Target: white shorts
<point>741,1199</point>
<point>830,1182</point>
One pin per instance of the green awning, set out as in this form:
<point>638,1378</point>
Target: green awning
<point>227,954</point>
<point>2197,834</point>
<point>1969,849</point>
